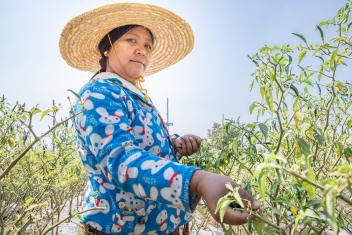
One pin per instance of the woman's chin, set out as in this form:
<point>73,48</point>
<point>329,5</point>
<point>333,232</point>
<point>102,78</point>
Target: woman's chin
<point>137,74</point>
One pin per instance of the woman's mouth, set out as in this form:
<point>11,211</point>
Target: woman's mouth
<point>138,62</point>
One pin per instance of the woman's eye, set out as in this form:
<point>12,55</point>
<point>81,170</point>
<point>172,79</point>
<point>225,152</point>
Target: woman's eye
<point>131,40</point>
<point>148,46</point>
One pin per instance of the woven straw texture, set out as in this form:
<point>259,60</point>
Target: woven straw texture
<point>79,39</point>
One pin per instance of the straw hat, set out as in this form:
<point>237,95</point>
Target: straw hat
<point>80,38</point>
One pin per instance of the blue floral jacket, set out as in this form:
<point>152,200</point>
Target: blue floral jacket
<point>134,181</point>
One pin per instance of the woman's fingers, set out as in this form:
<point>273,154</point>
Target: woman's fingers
<point>248,199</point>
<point>199,140</point>
<point>235,217</point>
<point>194,144</point>
<point>179,142</point>
<point>187,144</point>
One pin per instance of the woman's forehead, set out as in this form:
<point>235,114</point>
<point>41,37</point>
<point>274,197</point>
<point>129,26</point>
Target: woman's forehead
<point>140,31</point>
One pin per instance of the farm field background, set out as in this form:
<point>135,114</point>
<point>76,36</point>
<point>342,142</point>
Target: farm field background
<point>295,156</point>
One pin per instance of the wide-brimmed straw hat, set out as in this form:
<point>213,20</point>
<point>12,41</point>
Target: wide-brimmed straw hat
<point>80,38</point>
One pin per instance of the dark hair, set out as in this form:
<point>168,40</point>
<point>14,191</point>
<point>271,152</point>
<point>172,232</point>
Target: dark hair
<point>111,37</point>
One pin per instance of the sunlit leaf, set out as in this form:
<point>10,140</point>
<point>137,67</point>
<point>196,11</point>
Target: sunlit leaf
<point>222,205</point>
<point>259,226</point>
<point>298,117</point>
<point>10,142</point>
<point>301,55</point>
<point>236,195</point>
<point>262,182</point>
<point>252,107</point>
<point>332,59</point>
<point>310,189</point>
<point>28,202</point>
<point>301,37</point>
<point>294,210</point>
<point>330,207</point>
<point>44,113</point>
<point>35,110</point>
<point>310,213</point>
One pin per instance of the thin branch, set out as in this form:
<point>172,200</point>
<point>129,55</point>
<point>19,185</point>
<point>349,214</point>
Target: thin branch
<point>19,157</point>
<point>70,217</point>
<point>341,197</point>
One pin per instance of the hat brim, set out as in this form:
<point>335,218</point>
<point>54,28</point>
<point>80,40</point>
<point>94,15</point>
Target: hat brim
<point>80,38</point>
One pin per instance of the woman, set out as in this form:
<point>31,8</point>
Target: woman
<point>135,184</point>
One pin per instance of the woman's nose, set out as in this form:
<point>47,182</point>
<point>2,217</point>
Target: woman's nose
<point>141,50</point>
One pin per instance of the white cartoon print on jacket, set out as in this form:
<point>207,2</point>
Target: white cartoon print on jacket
<point>130,161</point>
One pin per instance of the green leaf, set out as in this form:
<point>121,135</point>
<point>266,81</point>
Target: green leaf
<point>263,129</point>
<point>339,148</point>
<point>321,33</point>
<point>252,107</point>
<point>310,189</point>
<point>332,59</point>
<point>74,93</point>
<point>347,153</point>
<point>276,211</point>
<point>319,135</point>
<point>28,202</point>
<point>289,60</point>
<point>223,203</point>
<point>301,37</point>
<point>44,113</point>
<point>301,55</point>
<point>294,89</point>
<point>314,203</point>
<point>35,110</point>
<point>259,225</point>
<point>323,23</point>
<point>349,123</point>
<point>263,91</point>
<point>310,213</point>
<point>262,182</point>
<point>265,48</point>
<point>253,60</point>
<point>228,232</point>
<point>10,142</point>
<point>304,146</point>
<point>269,100</point>
<point>330,207</point>
<point>236,195</point>
<point>321,58</point>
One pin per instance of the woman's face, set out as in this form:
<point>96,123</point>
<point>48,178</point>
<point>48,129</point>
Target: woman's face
<point>130,54</point>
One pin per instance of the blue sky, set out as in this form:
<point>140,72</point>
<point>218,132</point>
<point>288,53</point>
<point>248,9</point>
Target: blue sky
<point>211,81</point>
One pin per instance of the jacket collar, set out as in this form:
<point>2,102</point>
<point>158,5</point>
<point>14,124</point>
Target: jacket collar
<point>124,83</point>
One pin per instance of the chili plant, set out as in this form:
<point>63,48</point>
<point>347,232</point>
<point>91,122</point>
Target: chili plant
<point>296,158</point>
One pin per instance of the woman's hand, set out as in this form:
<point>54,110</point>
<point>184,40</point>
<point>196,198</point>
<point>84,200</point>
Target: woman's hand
<point>187,144</point>
<point>211,187</point>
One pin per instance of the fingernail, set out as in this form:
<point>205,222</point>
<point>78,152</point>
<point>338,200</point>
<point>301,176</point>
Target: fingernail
<point>256,205</point>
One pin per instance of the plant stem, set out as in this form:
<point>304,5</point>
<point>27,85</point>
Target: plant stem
<point>268,223</point>
<point>19,157</point>
<point>70,216</point>
<point>341,197</point>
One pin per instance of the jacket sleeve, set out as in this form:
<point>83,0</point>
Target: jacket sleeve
<point>109,137</point>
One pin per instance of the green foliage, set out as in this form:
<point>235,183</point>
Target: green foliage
<point>39,174</point>
<point>297,157</point>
